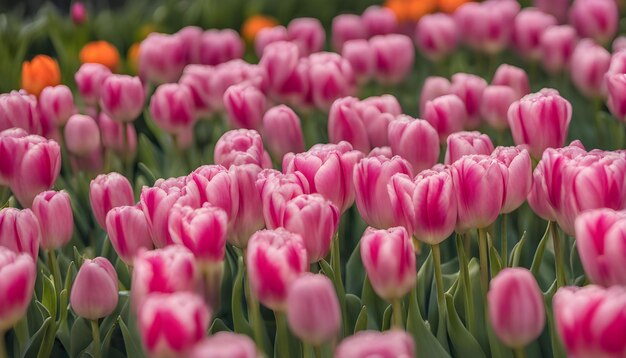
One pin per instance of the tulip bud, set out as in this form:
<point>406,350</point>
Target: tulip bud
<point>162,58</point>
<point>595,19</point>
<point>269,35</point>
<point>190,37</point>
<point>487,27</point>
<point>171,324</point>
<point>540,120</point>
<point>590,63</point>
<point>519,180</point>
<point>404,132</point>
<point>347,27</point>
<point>82,135</point>
<point>17,282</point>
<point>330,78</point>
<point>12,148</point>
<point>54,213</point>
<point>479,182</point>
<point>495,105</point>
<point>469,88</point>
<point>528,26</point>
<point>57,104</point>
<point>379,21</point>
<point>467,143</point>
<point>307,33</point>
<point>90,79</point>
<point>214,185</point>
<point>245,106</point>
<point>172,108</point>
<point>436,35</point>
<point>249,218</point>
<point>122,97</point>
<point>313,309</point>
<point>619,44</point>
<point>433,87</point>
<point>345,124</point>
<point>156,204</point>
<point>516,307</point>
<point>389,344</point>
<point>225,345</point>
<point>19,110</point>
<point>360,55</point>
<point>276,190</point>
<point>275,259</point>
<point>167,270</point>
<point>241,146</point>
<point>108,191</point>
<point>557,45</point>
<point>112,133</point>
<point>389,260</point>
<point>446,114</point>
<point>280,60</point>
<point>19,231</point>
<point>394,55</point>
<point>128,231</point>
<point>219,46</point>
<point>78,13</point>
<point>616,85</point>
<point>371,176</point>
<point>382,151</point>
<point>95,290</point>
<point>198,79</point>
<point>514,77</point>
<point>282,131</point>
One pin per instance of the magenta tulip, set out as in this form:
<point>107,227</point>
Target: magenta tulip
<point>172,108</point>
<point>514,77</point>
<point>360,55</point>
<point>528,26</point>
<point>90,79</point>
<point>95,290</point>
<point>19,110</point>
<point>404,132</point>
<point>433,87</point>
<point>469,88</point>
<point>128,231</point>
<point>394,55</point>
<point>379,21</point>
<point>20,231</point>
<point>122,97</point>
<point>389,344</point>
<point>245,106</point>
<point>198,79</point>
<point>308,33</point>
<point>447,114</point>
<point>519,178</point>
<point>616,86</point>
<point>276,190</point>
<point>495,105</point>
<point>53,210</point>
<point>57,104</point>
<point>162,58</point>
<point>108,191</point>
<point>557,45</point>
<point>345,124</point>
<point>225,345</point>
<point>595,19</point>
<point>590,63</point>
<point>330,77</point>
<point>346,27</point>
<point>241,146</point>
<point>219,46</point>
<point>436,36</point>
<point>269,35</point>
<point>112,136</point>
<point>467,143</point>
<point>282,131</point>
<point>17,282</point>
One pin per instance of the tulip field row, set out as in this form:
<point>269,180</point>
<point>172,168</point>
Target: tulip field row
<point>419,178</point>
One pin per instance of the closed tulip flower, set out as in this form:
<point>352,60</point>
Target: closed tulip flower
<point>528,26</point>
<point>95,289</point>
<point>245,106</point>
<point>162,58</point>
<point>346,27</point>
<point>313,309</point>
<point>595,19</point>
<point>212,184</point>
<point>376,113</point>
<point>128,231</point>
<point>308,33</point>
<point>225,345</point>
<point>282,131</point>
<point>112,135</point>
<point>19,110</point>
<point>540,120</point>
<point>90,79</point>
<point>487,27</point>
<point>394,57</point>
<point>404,132</point>
<point>436,36</point>
<point>280,60</point>
<point>379,20</point>
<point>516,307</point>
<point>82,135</point>
<point>17,282</point>
<point>360,55</point>
<point>156,204</point>
<point>557,45</point>
<point>519,179</point>
<point>330,77</point>
<point>172,108</point>
<point>275,259</point>
<point>514,77</point>
<point>268,35</point>
<point>433,87</point>
<point>495,105</point>
<point>616,86</point>
<point>122,97</point>
<point>467,143</point>
<point>345,124</point>
<point>241,146</point>
<point>190,36</point>
<point>219,46</point>
<point>469,88</point>
<point>389,260</point>
<point>19,231</point>
<point>590,63</point>
<point>54,212</point>
<point>389,344</point>
<point>171,324</point>
<point>12,147</point>
<point>108,191</point>
<point>57,104</point>
<point>249,217</point>
<point>78,13</point>
<point>447,114</point>
<point>198,79</point>
<point>276,190</point>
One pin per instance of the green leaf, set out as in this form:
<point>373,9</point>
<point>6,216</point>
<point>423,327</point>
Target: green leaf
<point>147,173</point>
<point>80,337</point>
<point>425,342</point>
<point>240,324</point>
<point>353,308</point>
<point>538,258</point>
<point>49,297</point>
<point>106,342</point>
<point>387,318</point>
<point>132,350</point>
<point>375,306</point>
<point>361,321</point>
<point>37,339</point>
<point>425,282</point>
<point>463,343</point>
<point>494,261</point>
<point>218,326</point>
<point>516,253</point>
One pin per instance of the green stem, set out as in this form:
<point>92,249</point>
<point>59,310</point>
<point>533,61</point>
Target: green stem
<point>126,158</point>
<point>318,351</point>
<point>53,266</point>
<point>504,237</point>
<point>396,307</point>
<point>254,315</point>
<point>306,350</point>
<point>3,347</point>
<point>467,245</point>
<point>484,263</point>
<point>441,303</point>
<point>469,298</point>
<point>519,352</point>
<point>597,106</point>
<point>282,338</point>
<point>558,261</point>
<point>95,331</point>
<point>335,262</point>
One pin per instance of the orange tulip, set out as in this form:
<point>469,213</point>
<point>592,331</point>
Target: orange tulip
<point>42,71</point>
<point>132,56</point>
<point>411,10</point>
<point>450,6</point>
<point>254,24</point>
<point>101,52</point>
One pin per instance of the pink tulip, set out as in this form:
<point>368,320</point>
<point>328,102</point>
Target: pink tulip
<point>516,307</point>
<point>556,8</point>
<point>156,204</point>
<point>20,231</point>
<point>231,73</point>
<point>619,44</point>
<point>389,344</point>
<point>330,77</point>
<point>95,290</point>
<point>346,27</point>
<point>212,184</point>
<point>446,114</point>
<point>487,27</point>
<point>280,60</point>
<point>249,217</point>
<point>308,33</point>
<point>282,131</point>
<point>313,309</point>
<point>198,79</point>
<point>18,273</point>
<point>345,124</point>
<point>519,179</point>
<point>269,35</point>
<point>190,37</point>
<point>245,106</point>
<point>219,46</point>
<point>38,169</point>
<point>162,58</point>
<point>433,87</point>
<point>90,79</point>
<point>360,55</point>
<point>315,219</point>
<point>394,55</point>
<point>122,97</point>
<point>557,45</point>
<point>112,135</point>
<point>82,135</point>
<point>389,260</point>
<point>404,132</point>
<point>379,21</point>
<point>428,204</point>
<point>225,345</point>
<point>461,144</point>
<point>436,36</point>
<point>618,63</point>
<point>171,324</point>
<point>479,182</point>
<point>590,63</point>
<point>57,104</point>
<point>385,104</point>
<point>382,151</point>
<point>276,190</point>
<point>595,19</point>
<point>54,213</point>
<point>78,13</point>
<point>469,88</point>
<point>616,86</point>
<point>167,270</point>
<point>371,176</point>
<point>128,231</point>
<point>108,191</point>
<point>495,105</point>
<point>376,113</point>
<point>540,120</point>
<point>241,146</point>
<point>19,110</point>
<point>172,108</point>
<point>528,26</point>
<point>598,232</point>
<point>275,259</point>
<point>514,77</point>
<point>589,319</point>
<point>12,147</point>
